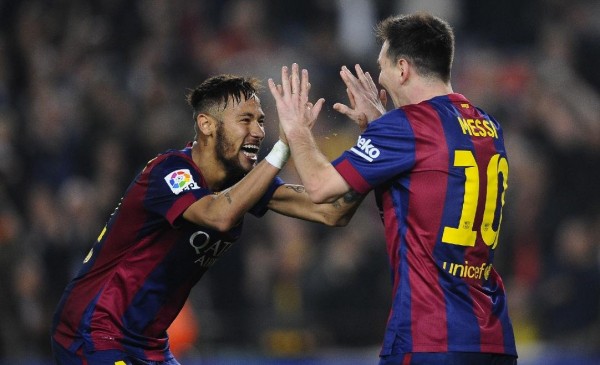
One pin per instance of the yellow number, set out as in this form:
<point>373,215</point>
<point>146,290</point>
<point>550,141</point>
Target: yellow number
<point>120,362</point>
<point>497,165</point>
<point>464,234</point>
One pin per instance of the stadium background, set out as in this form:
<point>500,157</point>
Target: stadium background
<point>90,90</point>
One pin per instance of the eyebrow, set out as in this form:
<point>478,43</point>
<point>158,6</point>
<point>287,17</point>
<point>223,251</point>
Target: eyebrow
<point>252,115</point>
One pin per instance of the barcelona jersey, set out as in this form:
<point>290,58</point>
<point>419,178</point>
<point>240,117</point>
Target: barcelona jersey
<point>439,171</point>
<point>139,273</point>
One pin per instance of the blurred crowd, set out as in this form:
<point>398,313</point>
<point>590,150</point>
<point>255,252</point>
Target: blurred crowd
<point>91,90</point>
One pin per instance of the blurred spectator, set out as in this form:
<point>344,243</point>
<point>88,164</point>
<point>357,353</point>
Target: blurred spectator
<point>11,229</point>
<point>89,90</point>
<point>347,284</point>
<point>568,298</point>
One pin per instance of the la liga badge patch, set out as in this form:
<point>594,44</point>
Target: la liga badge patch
<point>181,180</point>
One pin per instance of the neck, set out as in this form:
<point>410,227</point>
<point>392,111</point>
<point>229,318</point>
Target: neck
<point>213,173</point>
<point>422,89</point>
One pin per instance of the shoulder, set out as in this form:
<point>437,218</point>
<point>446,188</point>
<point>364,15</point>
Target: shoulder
<point>173,165</point>
<point>170,160</point>
<point>391,124</point>
<point>392,117</point>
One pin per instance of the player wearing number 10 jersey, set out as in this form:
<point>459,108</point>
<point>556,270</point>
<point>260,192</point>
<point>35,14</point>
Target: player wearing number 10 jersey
<point>439,170</point>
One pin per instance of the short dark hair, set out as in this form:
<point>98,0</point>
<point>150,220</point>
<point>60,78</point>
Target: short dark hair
<point>423,39</point>
<point>216,91</point>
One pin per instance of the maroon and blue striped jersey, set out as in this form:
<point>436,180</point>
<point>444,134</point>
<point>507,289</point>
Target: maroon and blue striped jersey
<point>439,171</point>
<point>139,273</point>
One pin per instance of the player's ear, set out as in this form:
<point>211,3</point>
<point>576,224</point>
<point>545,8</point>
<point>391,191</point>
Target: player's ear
<point>206,125</point>
<point>404,68</point>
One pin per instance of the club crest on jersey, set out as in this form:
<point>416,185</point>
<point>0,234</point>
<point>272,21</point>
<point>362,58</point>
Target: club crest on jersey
<point>181,180</point>
<point>365,149</point>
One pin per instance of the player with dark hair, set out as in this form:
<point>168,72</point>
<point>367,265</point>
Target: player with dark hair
<point>178,216</point>
<point>439,170</point>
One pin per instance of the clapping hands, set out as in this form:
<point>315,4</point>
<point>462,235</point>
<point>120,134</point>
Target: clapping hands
<point>366,102</point>
<point>291,97</point>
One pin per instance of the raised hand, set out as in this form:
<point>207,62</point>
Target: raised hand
<point>291,98</point>
<point>366,102</point>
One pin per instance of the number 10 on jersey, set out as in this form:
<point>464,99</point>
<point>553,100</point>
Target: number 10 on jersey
<point>464,234</point>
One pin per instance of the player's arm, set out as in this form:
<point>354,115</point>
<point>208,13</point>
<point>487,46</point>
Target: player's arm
<point>322,181</point>
<point>293,201</point>
<point>223,211</point>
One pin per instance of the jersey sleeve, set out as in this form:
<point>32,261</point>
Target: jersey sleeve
<point>261,207</point>
<point>173,185</point>
<point>385,150</point>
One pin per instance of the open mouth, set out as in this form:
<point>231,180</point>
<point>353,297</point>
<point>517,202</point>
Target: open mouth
<point>250,151</point>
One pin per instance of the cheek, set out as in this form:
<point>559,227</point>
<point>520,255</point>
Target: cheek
<point>382,79</point>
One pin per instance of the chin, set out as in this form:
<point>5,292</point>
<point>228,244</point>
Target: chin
<point>246,164</point>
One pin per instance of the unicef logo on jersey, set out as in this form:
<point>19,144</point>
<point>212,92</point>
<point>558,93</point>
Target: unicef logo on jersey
<point>181,180</point>
<point>365,149</point>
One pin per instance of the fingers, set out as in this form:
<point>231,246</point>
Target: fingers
<point>285,81</point>
<point>300,83</point>
<point>346,110</point>
<point>371,83</point>
<point>276,90</point>
<point>349,79</point>
<point>362,81</point>
<point>341,108</point>
<point>383,97</point>
<point>291,96</point>
<point>305,85</point>
<point>294,84</point>
<point>365,79</point>
<point>362,77</point>
<point>295,80</point>
<point>351,98</point>
<point>316,109</point>
<point>312,112</point>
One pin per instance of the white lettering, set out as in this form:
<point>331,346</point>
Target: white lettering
<point>365,149</point>
<point>199,248</point>
<point>208,253</point>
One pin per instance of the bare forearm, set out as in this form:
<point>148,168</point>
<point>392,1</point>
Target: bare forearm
<point>242,196</point>
<point>296,116</point>
<point>308,160</point>
<point>293,201</point>
<point>223,210</point>
<point>322,182</point>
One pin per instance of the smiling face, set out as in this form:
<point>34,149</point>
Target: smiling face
<point>239,134</point>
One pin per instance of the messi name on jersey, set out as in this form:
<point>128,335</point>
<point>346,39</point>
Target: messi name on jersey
<point>478,128</point>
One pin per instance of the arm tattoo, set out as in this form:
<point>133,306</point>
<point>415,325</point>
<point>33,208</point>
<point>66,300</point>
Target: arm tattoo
<point>226,194</point>
<point>351,197</point>
<point>296,188</point>
<point>348,198</point>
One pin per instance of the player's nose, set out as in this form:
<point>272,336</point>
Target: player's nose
<point>257,130</point>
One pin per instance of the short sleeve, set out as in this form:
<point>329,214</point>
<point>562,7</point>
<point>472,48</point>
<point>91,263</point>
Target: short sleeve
<point>385,150</point>
<point>173,184</point>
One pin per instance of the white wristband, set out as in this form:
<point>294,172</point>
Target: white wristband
<point>279,154</point>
